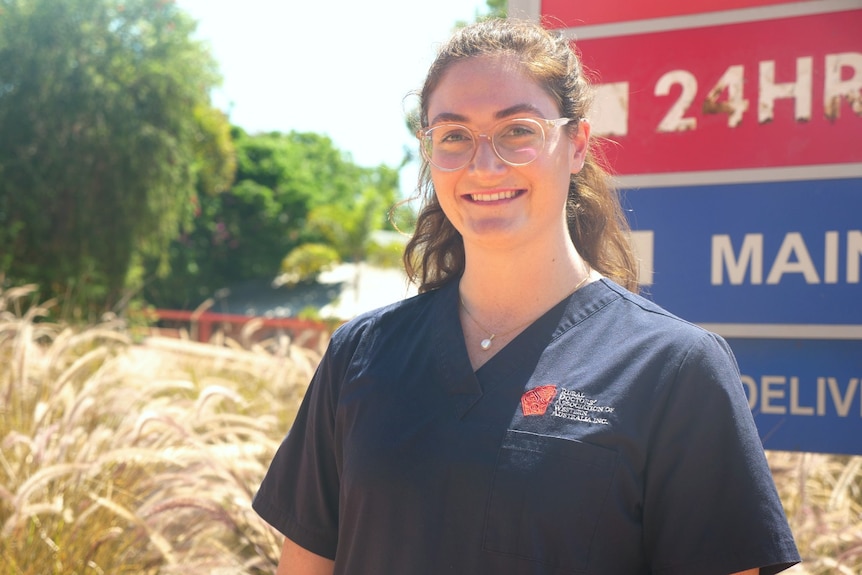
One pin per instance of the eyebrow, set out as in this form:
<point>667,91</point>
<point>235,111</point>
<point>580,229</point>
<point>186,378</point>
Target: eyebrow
<point>515,110</point>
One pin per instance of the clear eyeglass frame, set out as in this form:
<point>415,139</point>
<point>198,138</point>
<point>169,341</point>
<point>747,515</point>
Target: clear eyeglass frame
<point>531,144</point>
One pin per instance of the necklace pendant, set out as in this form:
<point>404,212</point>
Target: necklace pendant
<point>485,344</point>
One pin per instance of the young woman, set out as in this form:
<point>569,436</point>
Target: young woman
<point>525,414</point>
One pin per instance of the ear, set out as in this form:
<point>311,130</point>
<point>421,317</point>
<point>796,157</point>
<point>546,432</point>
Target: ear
<point>580,144</point>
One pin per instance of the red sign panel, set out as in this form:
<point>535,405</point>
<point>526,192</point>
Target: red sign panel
<point>571,13</point>
<point>774,93</point>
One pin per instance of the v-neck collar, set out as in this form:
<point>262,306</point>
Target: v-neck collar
<point>450,349</point>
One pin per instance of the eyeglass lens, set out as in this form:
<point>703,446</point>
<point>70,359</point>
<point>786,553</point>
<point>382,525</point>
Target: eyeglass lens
<point>452,146</point>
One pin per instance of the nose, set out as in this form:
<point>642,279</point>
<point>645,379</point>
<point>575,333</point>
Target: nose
<point>485,157</point>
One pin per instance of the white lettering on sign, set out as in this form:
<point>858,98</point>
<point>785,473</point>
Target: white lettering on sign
<point>675,120</point>
<point>731,83</point>
<point>750,258</point>
<point>793,257</point>
<point>837,88</point>
<point>799,90</point>
<point>842,81</point>
<point>609,115</point>
<point>780,395</point>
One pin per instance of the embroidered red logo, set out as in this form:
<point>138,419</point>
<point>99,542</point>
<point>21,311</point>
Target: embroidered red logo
<point>536,401</point>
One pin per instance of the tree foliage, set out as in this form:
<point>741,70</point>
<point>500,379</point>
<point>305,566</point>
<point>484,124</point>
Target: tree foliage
<point>348,226</point>
<point>108,134</point>
<point>306,262</point>
<point>291,190</point>
<point>497,8</point>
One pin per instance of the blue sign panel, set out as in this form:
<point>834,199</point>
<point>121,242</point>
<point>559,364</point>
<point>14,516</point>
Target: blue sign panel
<point>762,253</point>
<point>806,395</point>
<point>775,268</point>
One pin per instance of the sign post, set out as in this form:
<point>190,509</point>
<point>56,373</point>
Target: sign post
<point>736,130</point>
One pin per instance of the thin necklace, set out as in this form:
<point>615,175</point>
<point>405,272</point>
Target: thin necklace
<point>485,344</point>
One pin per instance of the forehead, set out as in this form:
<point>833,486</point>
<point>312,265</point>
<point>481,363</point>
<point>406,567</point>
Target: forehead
<point>480,88</point>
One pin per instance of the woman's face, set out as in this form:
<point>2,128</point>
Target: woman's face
<point>490,202</point>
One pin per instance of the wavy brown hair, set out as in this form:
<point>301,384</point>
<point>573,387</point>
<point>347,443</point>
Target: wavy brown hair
<point>434,254</point>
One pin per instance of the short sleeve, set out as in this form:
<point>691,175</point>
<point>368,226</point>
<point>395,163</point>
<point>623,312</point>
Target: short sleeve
<point>710,504</point>
<point>299,495</point>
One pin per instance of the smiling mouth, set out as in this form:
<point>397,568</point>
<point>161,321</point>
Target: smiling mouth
<point>495,196</point>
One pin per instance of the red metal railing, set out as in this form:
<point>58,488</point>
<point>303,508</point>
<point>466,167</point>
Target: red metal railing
<point>202,325</point>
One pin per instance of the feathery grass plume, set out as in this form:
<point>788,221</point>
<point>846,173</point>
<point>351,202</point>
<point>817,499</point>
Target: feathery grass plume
<point>822,496</point>
<point>136,456</point>
<point>123,455</point>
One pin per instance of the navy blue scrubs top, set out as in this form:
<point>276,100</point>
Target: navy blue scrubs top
<point>608,437</point>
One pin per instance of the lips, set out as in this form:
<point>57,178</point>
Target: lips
<point>494,196</point>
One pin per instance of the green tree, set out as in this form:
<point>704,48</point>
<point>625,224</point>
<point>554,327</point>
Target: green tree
<point>497,8</point>
<point>348,226</point>
<point>107,132</point>
<point>248,231</point>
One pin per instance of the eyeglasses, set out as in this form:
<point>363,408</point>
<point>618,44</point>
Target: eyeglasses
<point>516,141</point>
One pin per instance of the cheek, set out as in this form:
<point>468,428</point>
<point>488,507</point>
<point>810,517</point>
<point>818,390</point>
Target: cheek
<point>559,173</point>
<point>444,191</point>
<point>444,185</point>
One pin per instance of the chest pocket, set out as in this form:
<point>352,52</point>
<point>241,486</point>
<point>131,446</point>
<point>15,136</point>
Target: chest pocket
<point>546,498</point>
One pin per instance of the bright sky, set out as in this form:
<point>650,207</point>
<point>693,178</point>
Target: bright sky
<point>336,67</point>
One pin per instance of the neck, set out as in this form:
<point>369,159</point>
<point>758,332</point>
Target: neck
<point>516,282</point>
<point>501,296</point>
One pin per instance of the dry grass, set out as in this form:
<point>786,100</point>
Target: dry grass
<point>121,457</point>
<point>822,496</point>
<point>136,458</point>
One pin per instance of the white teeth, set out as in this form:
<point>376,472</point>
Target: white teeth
<point>492,197</point>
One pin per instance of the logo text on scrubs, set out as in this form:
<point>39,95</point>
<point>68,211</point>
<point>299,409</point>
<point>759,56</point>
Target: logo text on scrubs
<point>576,406</point>
<point>536,400</point>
